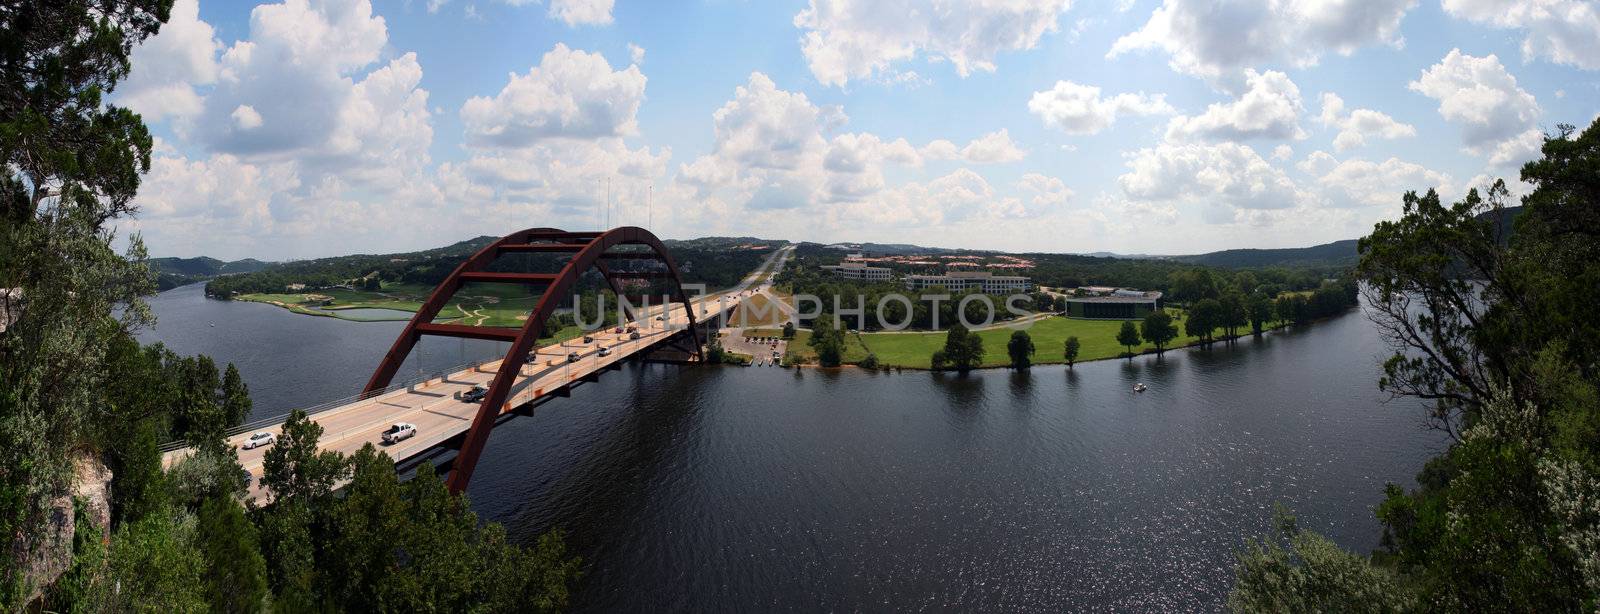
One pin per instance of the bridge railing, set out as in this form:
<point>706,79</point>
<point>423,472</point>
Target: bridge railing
<point>336,403</point>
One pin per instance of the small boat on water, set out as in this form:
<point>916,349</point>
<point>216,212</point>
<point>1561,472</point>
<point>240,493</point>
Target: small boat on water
<point>1140,387</point>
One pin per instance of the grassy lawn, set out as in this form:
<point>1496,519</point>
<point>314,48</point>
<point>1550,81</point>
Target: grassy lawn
<point>854,352</point>
<point>475,304</point>
<point>1098,339</point>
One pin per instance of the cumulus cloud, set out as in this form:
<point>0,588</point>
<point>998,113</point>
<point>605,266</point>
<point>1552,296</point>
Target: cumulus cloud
<point>775,160</point>
<point>1080,109</point>
<point>1362,183</point>
<point>1269,109</point>
<point>1210,40</point>
<point>1355,126</point>
<point>1228,175</point>
<point>1562,31</point>
<point>847,40</point>
<point>298,134</point>
<point>570,94</point>
<point>1046,191</point>
<point>581,12</point>
<point>1497,118</point>
<point>169,66</point>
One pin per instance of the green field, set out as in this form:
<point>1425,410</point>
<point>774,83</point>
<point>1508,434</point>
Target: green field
<point>800,346</point>
<point>495,305</point>
<point>1098,339</point>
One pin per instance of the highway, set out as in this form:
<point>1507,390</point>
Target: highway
<point>433,405</point>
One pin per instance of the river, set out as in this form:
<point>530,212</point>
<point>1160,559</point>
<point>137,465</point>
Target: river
<point>750,489</point>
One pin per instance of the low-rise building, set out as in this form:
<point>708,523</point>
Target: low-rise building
<point>859,271</point>
<point>970,281</point>
<point>1113,304</point>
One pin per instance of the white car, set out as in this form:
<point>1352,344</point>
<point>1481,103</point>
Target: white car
<point>257,440</point>
<point>399,431</point>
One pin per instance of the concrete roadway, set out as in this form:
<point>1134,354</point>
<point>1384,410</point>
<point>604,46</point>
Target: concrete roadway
<point>438,414</point>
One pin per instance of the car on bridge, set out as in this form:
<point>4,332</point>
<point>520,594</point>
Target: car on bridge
<point>605,351</point>
<point>573,357</point>
<point>398,432</point>
<point>257,440</point>
<point>617,330</point>
<point>475,395</point>
<point>633,335</point>
<point>588,339</point>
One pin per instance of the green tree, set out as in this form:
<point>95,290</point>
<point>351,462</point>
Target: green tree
<point>1233,314</point>
<point>1494,329</point>
<point>293,469</point>
<point>154,567</point>
<point>235,578</point>
<point>1128,337</point>
<point>714,348</point>
<point>1204,318</point>
<point>1070,349</point>
<point>69,164</point>
<point>827,340</point>
<point>963,350</point>
<point>1159,329</point>
<point>1020,347</point>
<point>235,402</point>
<point>1301,571</point>
<point>1259,309</point>
<point>788,330</point>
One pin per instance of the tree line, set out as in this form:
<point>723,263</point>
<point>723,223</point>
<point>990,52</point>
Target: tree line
<point>1492,327</point>
<point>79,391</point>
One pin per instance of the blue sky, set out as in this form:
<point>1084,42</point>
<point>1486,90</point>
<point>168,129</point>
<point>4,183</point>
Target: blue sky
<point>312,128</point>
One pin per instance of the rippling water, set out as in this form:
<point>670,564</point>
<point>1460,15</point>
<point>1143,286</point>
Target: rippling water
<point>747,489</point>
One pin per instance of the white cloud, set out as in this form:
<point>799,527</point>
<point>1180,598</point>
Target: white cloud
<point>299,135</point>
<point>1562,31</point>
<point>774,165</point>
<point>570,94</point>
<point>435,5</point>
<point>1048,192</point>
<point>847,40</point>
<point>1355,126</point>
<point>1226,174</point>
<point>581,12</point>
<point>1497,117</point>
<point>246,117</point>
<point>1269,109</point>
<point>1362,183</point>
<point>1282,152</point>
<point>1214,40</point>
<point>635,53</point>
<point>168,67</point>
<point>993,148</point>
<point>1079,109</point>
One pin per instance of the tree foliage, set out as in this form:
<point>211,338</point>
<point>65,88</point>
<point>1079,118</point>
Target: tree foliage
<point>1496,330</point>
<point>1159,329</point>
<point>1128,336</point>
<point>1070,349</point>
<point>1020,348</point>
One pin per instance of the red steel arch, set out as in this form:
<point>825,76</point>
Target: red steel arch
<point>588,250</point>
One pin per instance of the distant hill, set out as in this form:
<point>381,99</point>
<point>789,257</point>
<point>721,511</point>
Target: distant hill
<point>205,266</point>
<point>1337,253</point>
<point>173,272</point>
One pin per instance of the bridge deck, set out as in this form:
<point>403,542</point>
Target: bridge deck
<point>439,415</point>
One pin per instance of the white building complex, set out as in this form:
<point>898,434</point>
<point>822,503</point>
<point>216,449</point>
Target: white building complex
<point>970,281</point>
<point>857,270</point>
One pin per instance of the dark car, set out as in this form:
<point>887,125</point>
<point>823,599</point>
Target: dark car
<point>588,339</point>
<point>573,357</point>
<point>475,395</point>
<point>633,335</point>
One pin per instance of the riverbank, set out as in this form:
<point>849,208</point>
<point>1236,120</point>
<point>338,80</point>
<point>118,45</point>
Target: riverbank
<point>914,349</point>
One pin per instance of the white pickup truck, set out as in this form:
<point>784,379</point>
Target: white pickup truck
<point>399,431</point>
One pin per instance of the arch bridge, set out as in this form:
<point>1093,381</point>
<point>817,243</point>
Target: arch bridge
<point>527,375</point>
